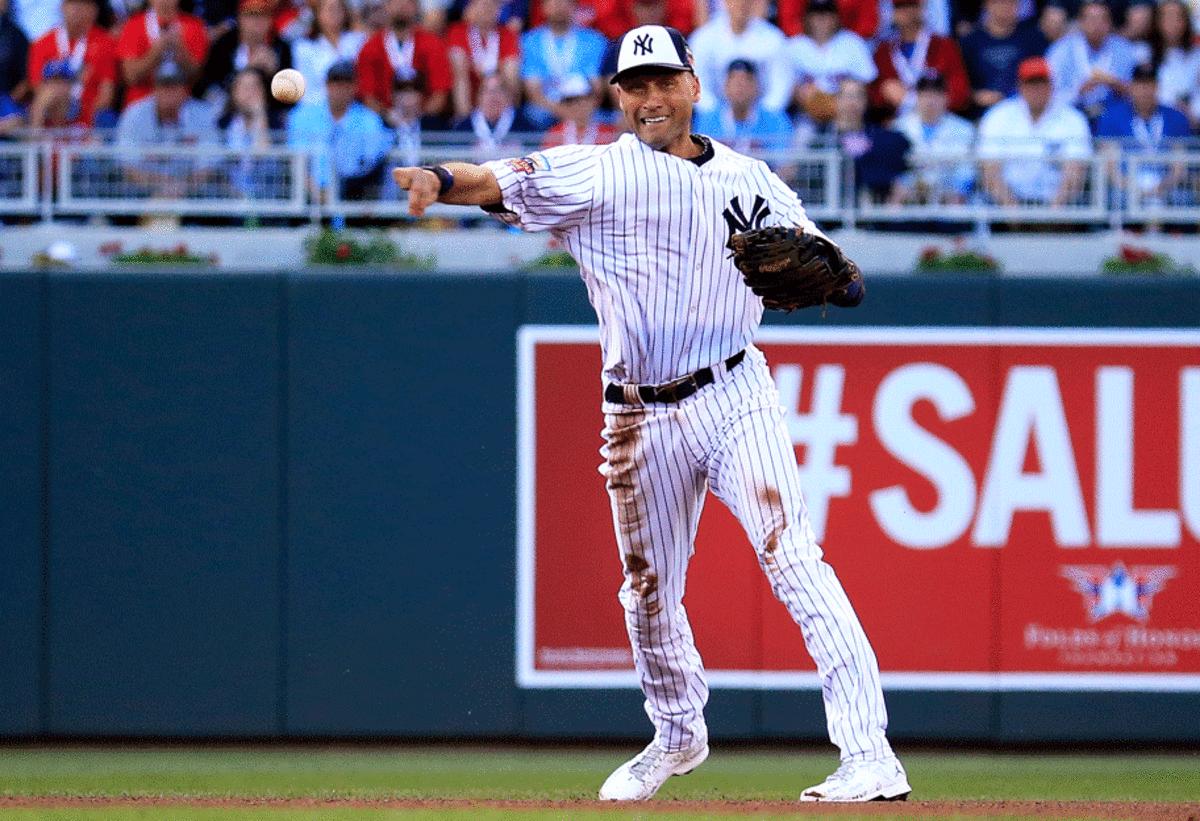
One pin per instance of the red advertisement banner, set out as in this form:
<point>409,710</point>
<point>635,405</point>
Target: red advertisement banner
<point>1007,508</point>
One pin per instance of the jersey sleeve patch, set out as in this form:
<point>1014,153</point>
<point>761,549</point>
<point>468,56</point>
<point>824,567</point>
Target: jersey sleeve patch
<point>528,165</point>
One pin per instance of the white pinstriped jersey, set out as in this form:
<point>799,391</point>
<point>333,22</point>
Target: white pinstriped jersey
<point>648,230</point>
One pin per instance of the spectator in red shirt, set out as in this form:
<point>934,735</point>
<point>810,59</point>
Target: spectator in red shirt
<point>579,125</point>
<point>404,51</point>
<point>901,60</point>
<point>858,16</point>
<point>612,18</point>
<point>294,21</point>
<point>89,52</point>
<point>160,34</point>
<point>678,14</point>
<point>479,48</point>
<point>615,17</point>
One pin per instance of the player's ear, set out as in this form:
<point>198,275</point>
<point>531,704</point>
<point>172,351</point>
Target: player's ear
<point>695,88</point>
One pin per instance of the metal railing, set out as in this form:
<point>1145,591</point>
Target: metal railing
<point>1116,185</point>
<point>1014,188</point>
<point>1157,188</point>
<point>19,178</point>
<point>200,180</point>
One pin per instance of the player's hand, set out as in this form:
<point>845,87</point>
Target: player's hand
<point>422,187</point>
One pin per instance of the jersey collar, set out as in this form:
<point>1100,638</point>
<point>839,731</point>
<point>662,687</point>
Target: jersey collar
<point>706,154</point>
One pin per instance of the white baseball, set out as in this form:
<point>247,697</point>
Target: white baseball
<point>287,86</point>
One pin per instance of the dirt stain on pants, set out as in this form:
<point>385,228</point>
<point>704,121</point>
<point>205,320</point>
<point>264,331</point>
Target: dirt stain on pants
<point>622,446</point>
<point>773,503</point>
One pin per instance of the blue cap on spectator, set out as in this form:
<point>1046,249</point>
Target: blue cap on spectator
<point>342,71</point>
<point>58,70</point>
<point>741,64</point>
<point>170,73</point>
<point>1145,72</point>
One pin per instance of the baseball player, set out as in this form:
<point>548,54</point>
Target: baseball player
<point>689,403</point>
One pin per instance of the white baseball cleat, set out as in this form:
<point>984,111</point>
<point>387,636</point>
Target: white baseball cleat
<point>640,777</point>
<point>862,781</point>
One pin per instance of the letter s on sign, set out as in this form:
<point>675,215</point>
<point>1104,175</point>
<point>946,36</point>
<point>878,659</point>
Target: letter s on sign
<point>929,456</point>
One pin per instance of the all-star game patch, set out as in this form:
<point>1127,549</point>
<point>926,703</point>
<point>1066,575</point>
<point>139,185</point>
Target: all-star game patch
<point>526,165</point>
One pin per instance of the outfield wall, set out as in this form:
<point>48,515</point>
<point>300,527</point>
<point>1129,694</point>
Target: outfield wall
<point>286,505</point>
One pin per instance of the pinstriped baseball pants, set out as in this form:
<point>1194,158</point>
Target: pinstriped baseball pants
<point>660,461</point>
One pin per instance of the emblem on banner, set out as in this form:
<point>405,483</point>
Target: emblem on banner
<point>1108,590</point>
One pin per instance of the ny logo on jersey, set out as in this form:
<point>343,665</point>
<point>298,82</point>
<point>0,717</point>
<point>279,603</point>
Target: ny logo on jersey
<point>643,44</point>
<point>737,220</point>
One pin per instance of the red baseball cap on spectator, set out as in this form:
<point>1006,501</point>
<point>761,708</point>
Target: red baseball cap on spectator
<point>1033,68</point>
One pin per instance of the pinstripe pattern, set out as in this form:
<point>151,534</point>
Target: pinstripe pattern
<point>648,231</point>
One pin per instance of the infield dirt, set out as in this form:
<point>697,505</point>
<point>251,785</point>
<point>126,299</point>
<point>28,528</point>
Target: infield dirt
<point>1151,811</point>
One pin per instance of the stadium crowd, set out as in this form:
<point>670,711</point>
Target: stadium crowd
<point>1030,85</point>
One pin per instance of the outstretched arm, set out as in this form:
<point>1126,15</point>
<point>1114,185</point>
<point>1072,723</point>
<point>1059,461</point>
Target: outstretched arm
<point>472,185</point>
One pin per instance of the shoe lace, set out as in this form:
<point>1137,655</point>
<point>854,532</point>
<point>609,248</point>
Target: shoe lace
<point>647,761</point>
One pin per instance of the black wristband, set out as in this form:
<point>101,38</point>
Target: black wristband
<point>445,178</point>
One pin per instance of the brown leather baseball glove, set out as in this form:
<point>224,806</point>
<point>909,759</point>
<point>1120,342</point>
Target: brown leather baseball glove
<point>790,269</point>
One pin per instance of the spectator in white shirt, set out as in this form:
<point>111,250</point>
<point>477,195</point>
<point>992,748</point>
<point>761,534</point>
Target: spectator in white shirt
<point>1092,64</point>
<point>329,41</point>
<point>739,34</point>
<point>1176,59</point>
<point>941,147</point>
<point>1034,148</point>
<point>825,55</point>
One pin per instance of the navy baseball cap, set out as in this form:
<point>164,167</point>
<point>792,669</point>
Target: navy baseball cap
<point>340,72</point>
<point>1145,72</point>
<point>741,64</point>
<point>931,80</point>
<point>652,47</point>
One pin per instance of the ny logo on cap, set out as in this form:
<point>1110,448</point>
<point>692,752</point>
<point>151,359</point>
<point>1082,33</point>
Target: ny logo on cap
<point>643,44</point>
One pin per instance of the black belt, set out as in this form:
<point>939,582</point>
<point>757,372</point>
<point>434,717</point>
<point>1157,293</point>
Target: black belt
<point>675,391</point>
